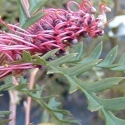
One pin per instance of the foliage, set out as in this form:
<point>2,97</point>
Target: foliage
<point>89,89</point>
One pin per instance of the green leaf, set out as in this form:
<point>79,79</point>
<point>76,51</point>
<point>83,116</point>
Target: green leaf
<point>26,57</point>
<point>8,80</point>
<point>22,80</point>
<point>121,63</point>
<point>73,85</point>
<point>94,55</point>
<point>111,119</point>
<point>112,66</point>
<point>98,85</point>
<point>80,68</point>
<point>32,4</point>
<point>34,96</point>
<point>35,5</point>
<point>53,104</point>
<point>114,104</point>
<point>96,52</point>
<point>7,85</point>
<point>39,61</point>
<point>96,103</point>
<point>93,104</point>
<point>29,21</point>
<point>110,58</point>
<point>19,87</point>
<point>79,50</point>
<point>23,15</point>
<point>25,20</point>
<point>49,54</point>
<point>122,59</point>
<point>62,60</point>
<point>103,84</point>
<point>38,93</point>
<point>56,113</point>
<point>119,68</point>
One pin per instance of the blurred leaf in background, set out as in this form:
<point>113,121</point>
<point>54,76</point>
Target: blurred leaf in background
<point>8,11</point>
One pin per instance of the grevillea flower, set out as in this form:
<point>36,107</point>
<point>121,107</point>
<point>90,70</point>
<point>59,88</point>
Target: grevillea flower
<point>58,28</point>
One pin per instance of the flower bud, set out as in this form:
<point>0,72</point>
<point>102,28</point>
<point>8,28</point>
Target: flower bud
<point>93,10</point>
<point>101,25</point>
<point>74,41</point>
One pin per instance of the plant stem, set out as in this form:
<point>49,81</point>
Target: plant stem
<point>28,105</point>
<point>13,103</point>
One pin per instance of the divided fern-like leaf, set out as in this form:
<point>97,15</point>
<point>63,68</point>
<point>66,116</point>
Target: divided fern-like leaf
<point>90,89</point>
<point>72,72</point>
<point>51,108</point>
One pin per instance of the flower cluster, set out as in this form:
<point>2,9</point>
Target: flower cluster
<point>58,28</point>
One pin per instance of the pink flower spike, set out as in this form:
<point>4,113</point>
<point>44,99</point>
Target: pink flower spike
<point>58,28</point>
